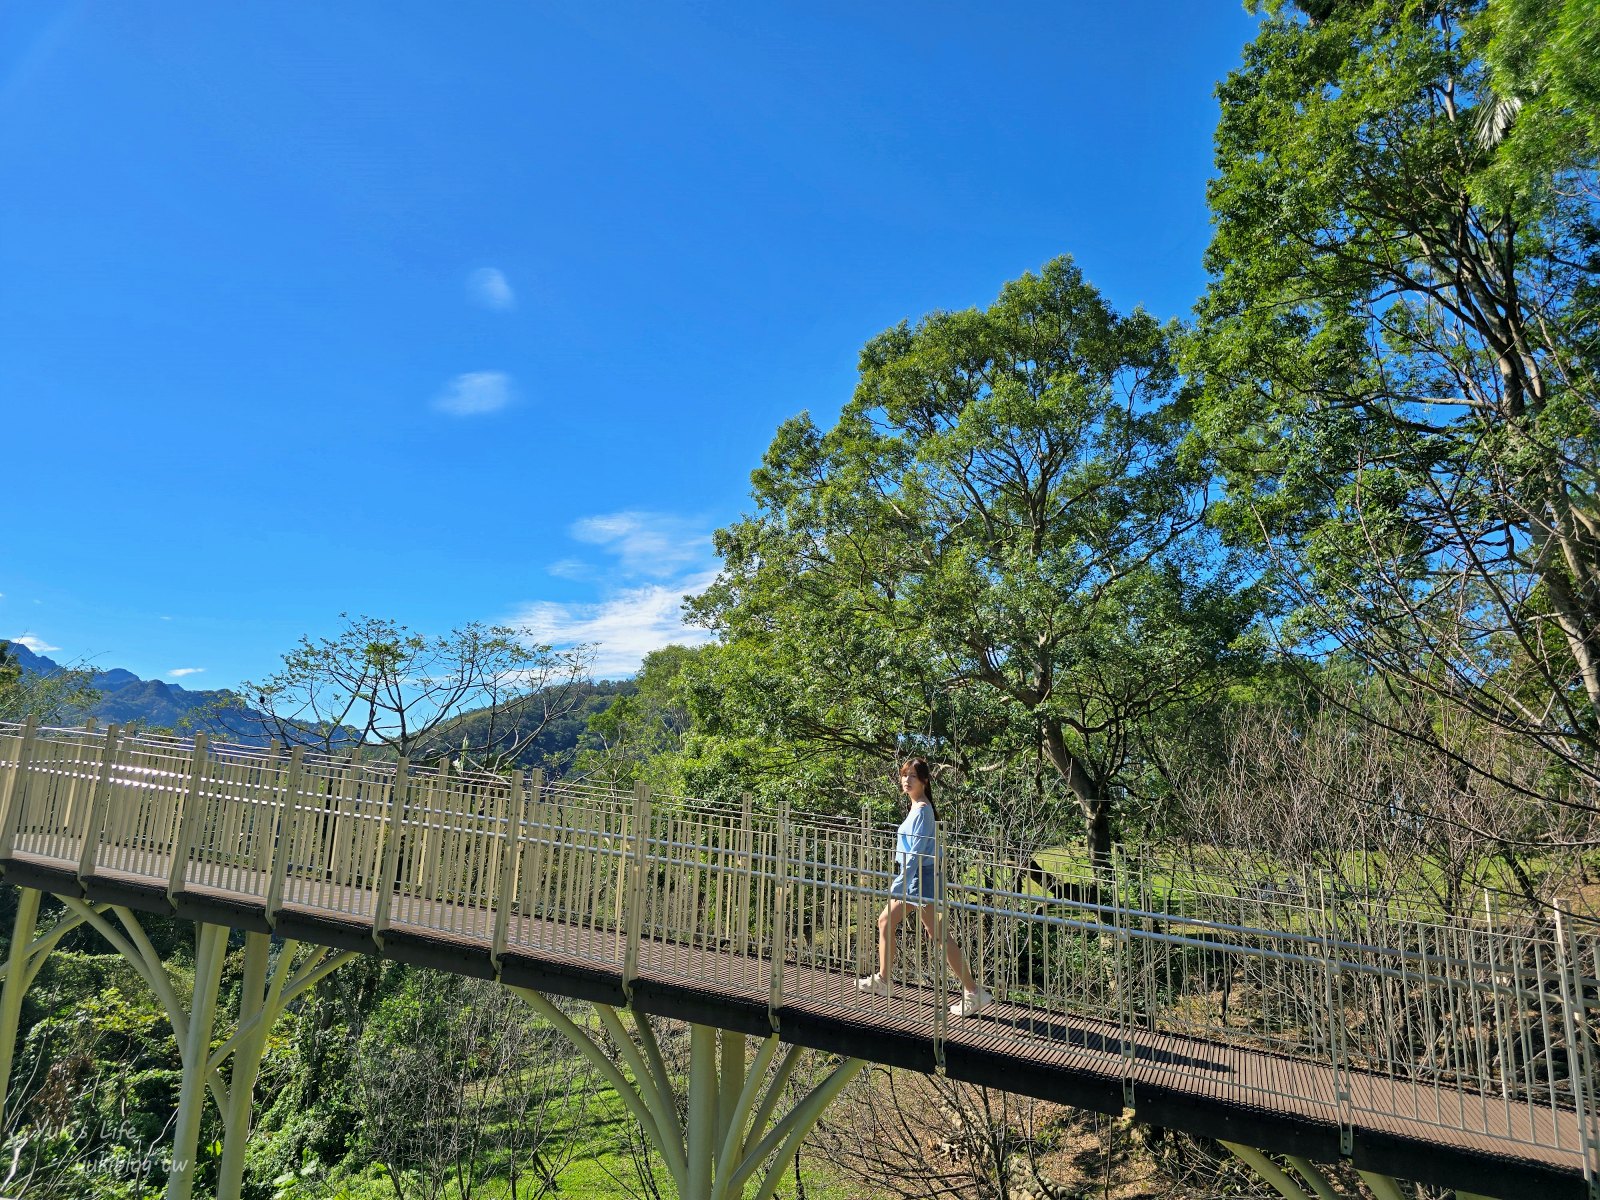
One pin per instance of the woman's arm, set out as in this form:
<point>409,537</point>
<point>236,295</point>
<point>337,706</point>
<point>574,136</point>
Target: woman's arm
<point>921,839</point>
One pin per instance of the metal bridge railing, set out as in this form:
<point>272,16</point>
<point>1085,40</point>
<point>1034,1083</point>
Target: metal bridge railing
<point>1485,1024</point>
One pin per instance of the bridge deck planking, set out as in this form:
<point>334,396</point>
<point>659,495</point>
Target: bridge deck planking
<point>1266,1099</point>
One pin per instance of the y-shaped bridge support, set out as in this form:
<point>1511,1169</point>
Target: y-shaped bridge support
<point>725,1145</point>
<point>1384,1187</point>
<point>28,953</point>
<point>267,988</point>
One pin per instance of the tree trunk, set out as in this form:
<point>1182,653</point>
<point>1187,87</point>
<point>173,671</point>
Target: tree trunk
<point>1091,797</point>
<point>1097,821</point>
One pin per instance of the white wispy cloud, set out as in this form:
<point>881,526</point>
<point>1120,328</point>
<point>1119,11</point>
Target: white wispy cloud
<point>571,568</point>
<point>622,628</point>
<point>36,645</point>
<point>474,394</point>
<point>651,544</point>
<point>180,672</point>
<point>651,561</point>
<point>489,287</point>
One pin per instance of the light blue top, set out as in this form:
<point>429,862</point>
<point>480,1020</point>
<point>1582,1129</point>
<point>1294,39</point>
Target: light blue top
<point>914,842</point>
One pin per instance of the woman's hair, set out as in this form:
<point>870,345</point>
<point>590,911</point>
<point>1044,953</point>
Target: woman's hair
<point>919,768</point>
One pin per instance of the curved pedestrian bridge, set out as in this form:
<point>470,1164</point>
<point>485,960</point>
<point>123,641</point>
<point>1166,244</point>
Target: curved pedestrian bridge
<point>1282,1015</point>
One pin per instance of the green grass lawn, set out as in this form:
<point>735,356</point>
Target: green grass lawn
<point>600,1168</point>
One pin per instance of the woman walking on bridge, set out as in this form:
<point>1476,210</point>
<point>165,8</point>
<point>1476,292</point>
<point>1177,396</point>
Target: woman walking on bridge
<point>919,884</point>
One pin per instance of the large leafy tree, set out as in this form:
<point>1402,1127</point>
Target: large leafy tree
<point>1400,350</point>
<point>993,552</point>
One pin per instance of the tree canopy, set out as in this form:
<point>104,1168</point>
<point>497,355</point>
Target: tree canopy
<point>1398,357</point>
<point>996,548</point>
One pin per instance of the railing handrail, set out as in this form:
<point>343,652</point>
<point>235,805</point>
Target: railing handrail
<point>614,871</point>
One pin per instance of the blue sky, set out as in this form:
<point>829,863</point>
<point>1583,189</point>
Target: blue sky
<point>486,311</point>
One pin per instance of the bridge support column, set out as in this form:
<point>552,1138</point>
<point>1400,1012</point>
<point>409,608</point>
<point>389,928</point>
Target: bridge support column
<point>267,988</point>
<point>732,1141</point>
<point>1279,1179</point>
<point>1384,1187</point>
<point>210,948</point>
<point>18,974</point>
<point>263,997</point>
<point>27,957</point>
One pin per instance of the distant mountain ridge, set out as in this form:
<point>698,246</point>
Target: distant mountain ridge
<point>126,698</point>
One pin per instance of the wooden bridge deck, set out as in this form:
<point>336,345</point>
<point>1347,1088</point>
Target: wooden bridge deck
<point>1411,1130</point>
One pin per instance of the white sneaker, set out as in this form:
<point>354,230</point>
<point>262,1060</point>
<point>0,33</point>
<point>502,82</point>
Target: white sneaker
<point>873,985</point>
<point>970,1004</point>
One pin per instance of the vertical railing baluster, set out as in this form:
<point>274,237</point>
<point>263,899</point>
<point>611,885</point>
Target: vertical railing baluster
<point>1587,1031</point>
<point>516,820</point>
<point>619,901</point>
<point>1580,1065</point>
<point>288,823</point>
<point>343,850</point>
<point>1122,950</point>
<point>865,951</point>
<point>384,885</point>
<point>75,777</point>
<point>563,837</point>
<point>778,943</point>
<point>1501,1014</point>
<point>747,869</point>
<point>122,819</point>
<point>16,789</point>
<point>638,850</point>
<point>578,862</point>
<point>548,877</point>
<point>99,804</point>
<point>428,837</point>
<point>190,804</point>
<point>725,892</point>
<point>941,1014</point>
<point>1480,1023</point>
<point>529,872</point>
<point>1331,985</point>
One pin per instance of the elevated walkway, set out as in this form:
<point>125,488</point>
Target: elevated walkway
<point>1454,1052</point>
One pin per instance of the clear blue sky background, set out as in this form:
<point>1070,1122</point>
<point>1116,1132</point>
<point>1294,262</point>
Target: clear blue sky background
<point>473,311</point>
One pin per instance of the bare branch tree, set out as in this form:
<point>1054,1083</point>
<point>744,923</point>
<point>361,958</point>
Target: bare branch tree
<point>479,694</point>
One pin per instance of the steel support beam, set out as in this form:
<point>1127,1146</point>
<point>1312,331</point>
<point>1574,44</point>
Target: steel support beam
<point>1384,1187</point>
<point>266,990</point>
<point>17,976</point>
<point>210,948</point>
<point>1275,1176</point>
<point>18,973</point>
<point>731,1141</point>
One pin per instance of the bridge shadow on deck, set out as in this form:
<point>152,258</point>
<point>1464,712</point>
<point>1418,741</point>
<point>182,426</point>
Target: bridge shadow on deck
<point>1055,1029</point>
<point>1253,1096</point>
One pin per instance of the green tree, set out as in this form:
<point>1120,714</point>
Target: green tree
<point>1400,356</point>
<point>639,734</point>
<point>1543,62</point>
<point>49,696</point>
<point>995,551</point>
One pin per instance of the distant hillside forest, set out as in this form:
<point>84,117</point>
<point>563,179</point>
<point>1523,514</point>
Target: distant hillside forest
<point>556,745</point>
<point>547,728</point>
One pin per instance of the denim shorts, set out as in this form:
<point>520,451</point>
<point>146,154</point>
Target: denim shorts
<point>919,885</point>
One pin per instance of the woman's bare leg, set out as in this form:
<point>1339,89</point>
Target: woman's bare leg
<point>888,925</point>
<point>952,952</point>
